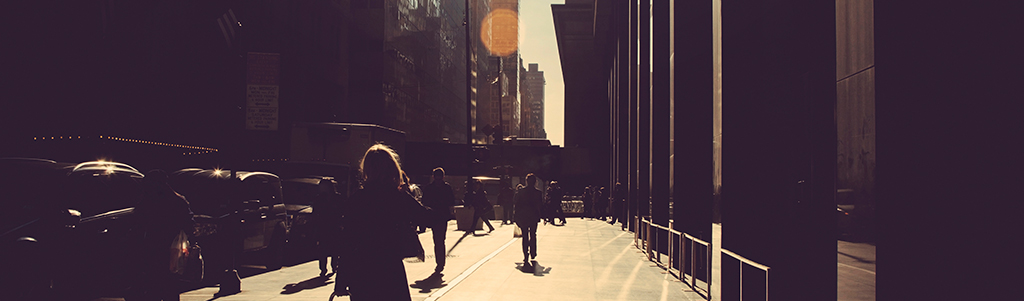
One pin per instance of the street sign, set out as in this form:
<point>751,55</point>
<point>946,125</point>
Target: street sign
<point>261,90</point>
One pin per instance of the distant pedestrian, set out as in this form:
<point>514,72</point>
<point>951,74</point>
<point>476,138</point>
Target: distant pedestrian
<point>377,218</point>
<point>553,203</point>
<point>601,203</point>
<point>505,201</point>
<point>163,214</point>
<point>618,204</point>
<point>441,199</point>
<point>588,203</point>
<point>327,225</point>
<point>476,197</point>
<point>528,204</point>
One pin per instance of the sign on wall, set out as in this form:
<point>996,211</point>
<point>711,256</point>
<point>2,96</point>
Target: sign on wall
<point>261,90</point>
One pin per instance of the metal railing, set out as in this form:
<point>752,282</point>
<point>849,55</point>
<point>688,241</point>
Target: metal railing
<point>744,260</point>
<point>643,240</point>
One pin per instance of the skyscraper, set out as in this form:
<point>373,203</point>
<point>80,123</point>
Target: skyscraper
<point>532,93</point>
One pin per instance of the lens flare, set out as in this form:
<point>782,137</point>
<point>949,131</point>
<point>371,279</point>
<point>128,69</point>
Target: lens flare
<point>499,32</point>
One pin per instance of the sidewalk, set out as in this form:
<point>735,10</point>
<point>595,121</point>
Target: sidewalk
<point>584,260</point>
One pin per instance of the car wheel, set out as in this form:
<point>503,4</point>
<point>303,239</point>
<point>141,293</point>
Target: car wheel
<point>275,251</point>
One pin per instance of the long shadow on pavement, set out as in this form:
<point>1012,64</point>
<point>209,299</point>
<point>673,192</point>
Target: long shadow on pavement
<point>310,283</point>
<point>534,268</point>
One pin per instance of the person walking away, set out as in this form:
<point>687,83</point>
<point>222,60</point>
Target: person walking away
<point>477,198</point>
<point>618,204</point>
<point>163,214</point>
<point>528,204</point>
<point>505,201</point>
<point>438,196</point>
<point>601,203</point>
<point>377,217</point>
<point>326,225</point>
<point>587,204</point>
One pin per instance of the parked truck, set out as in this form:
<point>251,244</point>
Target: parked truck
<point>340,143</point>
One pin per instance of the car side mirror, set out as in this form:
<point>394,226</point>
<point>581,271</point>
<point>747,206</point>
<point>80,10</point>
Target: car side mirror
<point>72,219</point>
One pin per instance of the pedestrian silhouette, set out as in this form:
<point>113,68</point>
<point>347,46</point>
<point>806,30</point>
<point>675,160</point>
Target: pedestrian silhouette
<point>618,206</point>
<point>528,204</point>
<point>505,201</point>
<point>377,221</point>
<point>553,203</point>
<point>600,203</point>
<point>163,214</point>
<point>327,217</point>
<point>438,196</point>
<point>477,198</point>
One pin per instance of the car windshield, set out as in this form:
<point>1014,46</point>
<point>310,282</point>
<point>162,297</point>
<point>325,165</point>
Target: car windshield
<point>92,192</point>
<point>299,192</point>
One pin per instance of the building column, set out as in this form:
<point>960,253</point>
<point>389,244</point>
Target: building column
<point>634,79</point>
<point>693,110</point>
<point>778,204</point>
<point>622,116</point>
<point>660,106</point>
<point>643,194</point>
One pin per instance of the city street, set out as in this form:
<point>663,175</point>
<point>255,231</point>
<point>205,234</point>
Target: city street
<point>584,260</point>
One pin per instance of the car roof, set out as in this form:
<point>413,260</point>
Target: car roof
<point>223,174</point>
<point>97,168</point>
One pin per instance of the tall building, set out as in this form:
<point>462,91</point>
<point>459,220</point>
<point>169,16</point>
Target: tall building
<point>481,72</point>
<point>532,93</point>
<point>499,106</point>
<point>178,73</point>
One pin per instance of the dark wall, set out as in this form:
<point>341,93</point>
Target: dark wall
<point>948,106</point>
<point>778,175</point>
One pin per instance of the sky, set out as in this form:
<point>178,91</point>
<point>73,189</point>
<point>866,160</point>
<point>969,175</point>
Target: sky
<point>537,44</point>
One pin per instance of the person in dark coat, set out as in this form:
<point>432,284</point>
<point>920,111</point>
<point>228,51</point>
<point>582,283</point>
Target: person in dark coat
<point>617,204</point>
<point>505,201</point>
<point>528,204</point>
<point>600,203</point>
<point>377,217</point>
<point>477,198</point>
<point>163,214</point>
<point>588,203</point>
<point>327,222</point>
<point>438,196</point>
<point>553,203</point>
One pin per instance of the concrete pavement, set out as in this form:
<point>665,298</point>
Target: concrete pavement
<point>855,271</point>
<point>584,260</point>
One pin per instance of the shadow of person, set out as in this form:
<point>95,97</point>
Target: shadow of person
<point>310,283</point>
<point>533,268</point>
<point>426,287</point>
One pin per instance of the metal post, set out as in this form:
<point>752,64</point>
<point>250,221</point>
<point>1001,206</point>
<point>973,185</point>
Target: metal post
<point>693,280</point>
<point>648,234</point>
<point>708,252</point>
<point>670,250</point>
<point>469,77</point>
<point>682,255</point>
<point>741,280</point>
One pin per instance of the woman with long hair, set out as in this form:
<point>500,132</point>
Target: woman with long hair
<point>378,216</point>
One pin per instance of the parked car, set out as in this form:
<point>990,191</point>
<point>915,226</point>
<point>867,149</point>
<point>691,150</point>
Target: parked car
<point>300,193</point>
<point>34,226</point>
<point>81,238</point>
<point>844,222</point>
<point>236,213</point>
<point>299,183</point>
